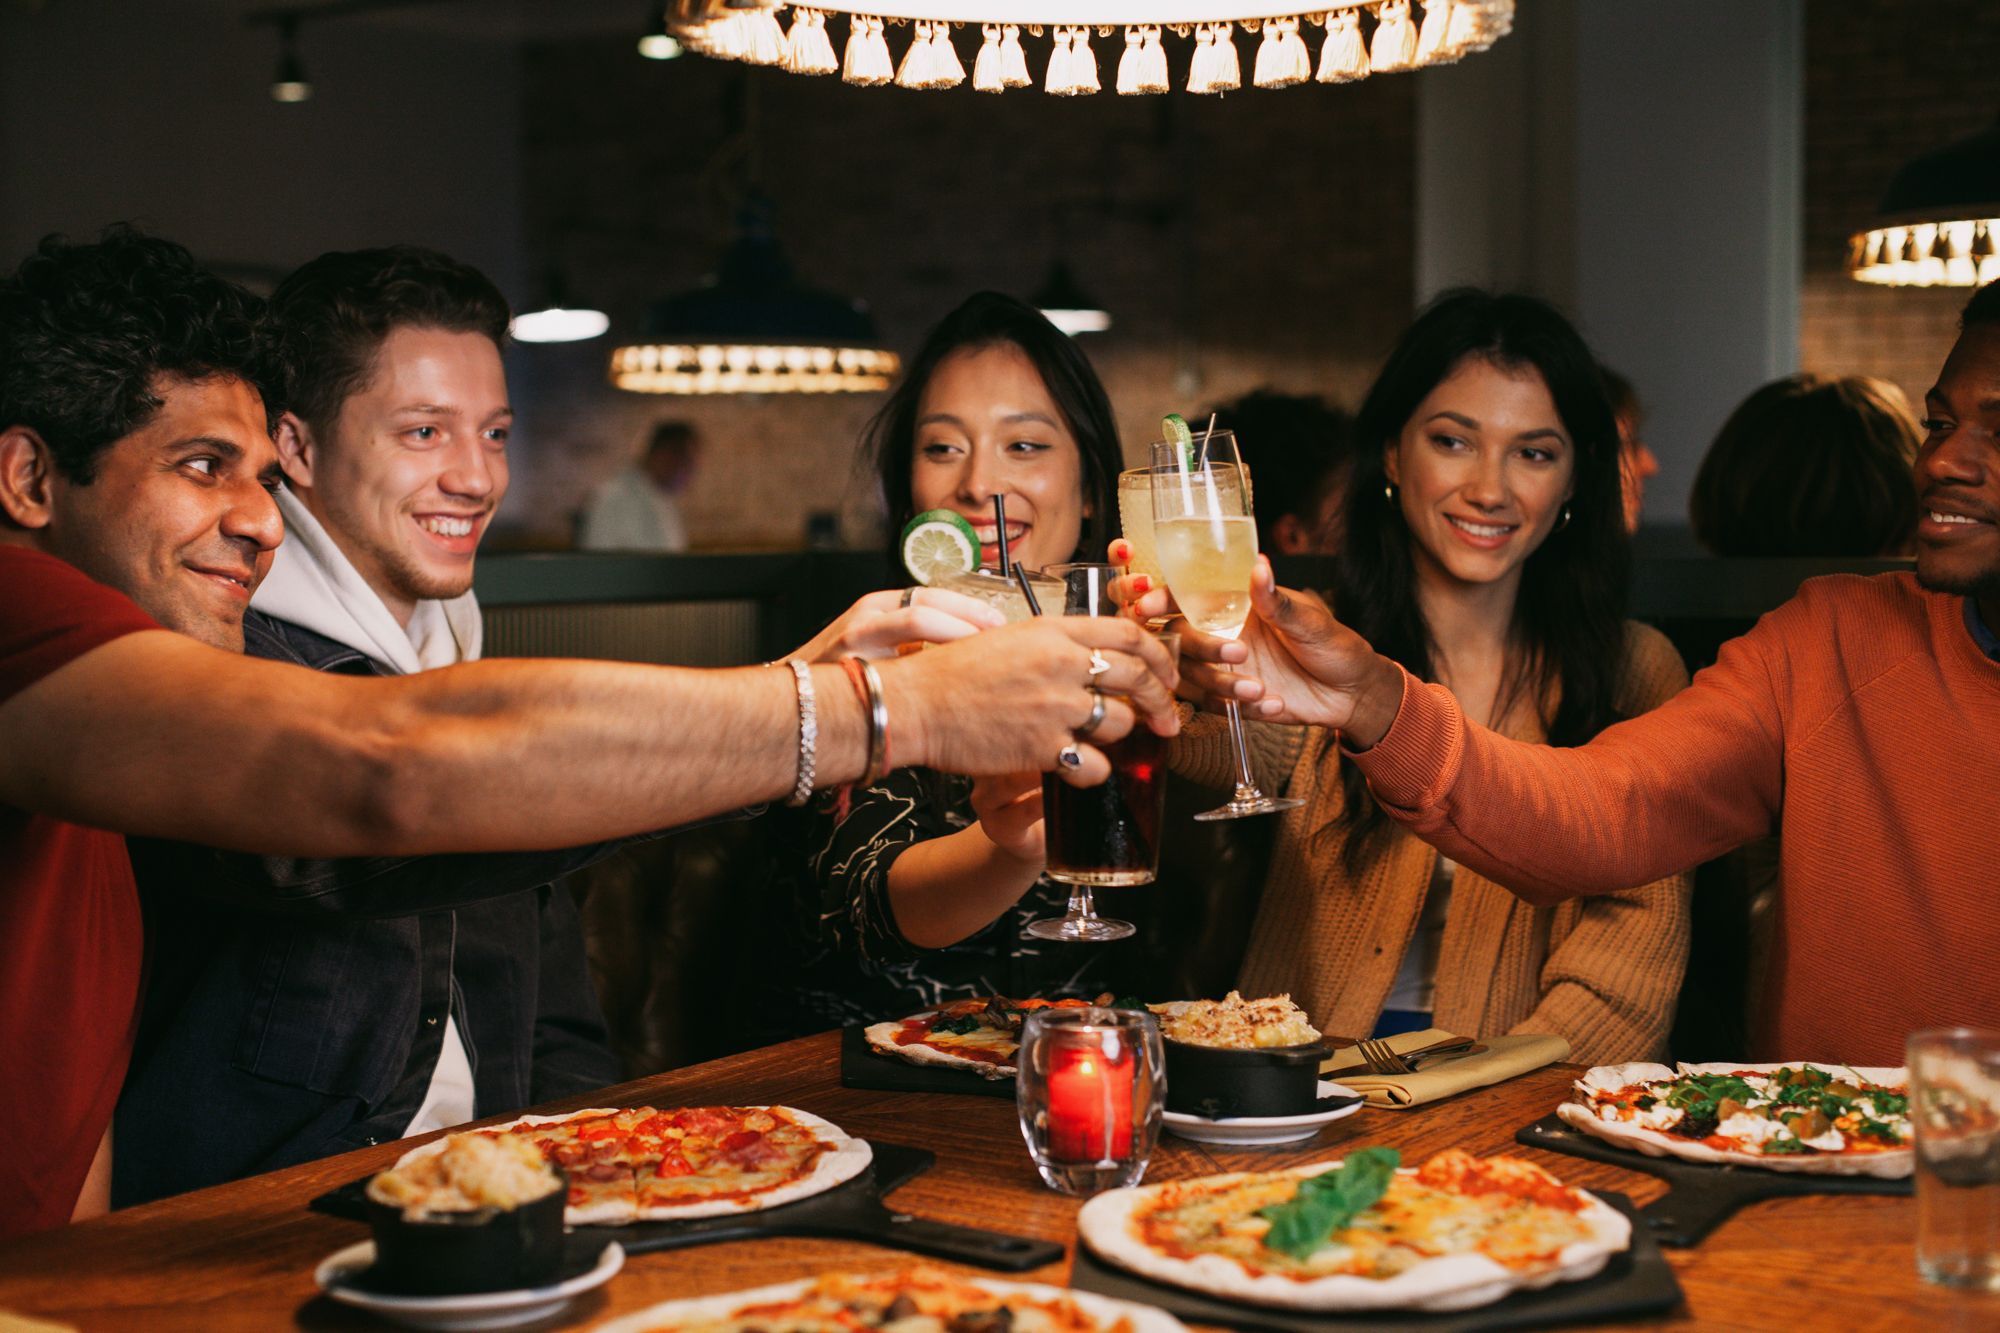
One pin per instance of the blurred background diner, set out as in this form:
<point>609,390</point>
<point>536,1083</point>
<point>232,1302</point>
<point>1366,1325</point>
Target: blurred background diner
<point>718,271</point>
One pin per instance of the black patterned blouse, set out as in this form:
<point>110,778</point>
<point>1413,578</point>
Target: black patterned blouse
<point>867,971</point>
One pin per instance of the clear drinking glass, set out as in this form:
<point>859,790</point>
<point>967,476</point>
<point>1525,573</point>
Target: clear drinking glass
<point>1207,543</point>
<point>1090,1091</point>
<point>1003,594</point>
<point>1955,1116</point>
<point>1135,521</point>
<point>1108,835</point>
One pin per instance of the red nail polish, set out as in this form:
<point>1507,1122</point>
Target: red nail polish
<point>1141,584</point>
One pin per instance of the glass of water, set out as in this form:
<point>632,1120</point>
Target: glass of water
<point>1955,1115</point>
<point>1090,1091</point>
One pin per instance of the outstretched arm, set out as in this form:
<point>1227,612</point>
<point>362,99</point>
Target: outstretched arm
<point>156,734</point>
<point>1645,799</point>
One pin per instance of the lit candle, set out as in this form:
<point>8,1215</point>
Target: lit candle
<point>1090,1103</point>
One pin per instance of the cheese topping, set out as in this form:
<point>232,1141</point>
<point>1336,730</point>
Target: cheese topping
<point>1236,1022</point>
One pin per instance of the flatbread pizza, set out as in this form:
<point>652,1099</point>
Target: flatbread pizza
<point>922,1300</point>
<point>981,1036</point>
<point>1798,1116</point>
<point>1360,1234</point>
<point>638,1164</point>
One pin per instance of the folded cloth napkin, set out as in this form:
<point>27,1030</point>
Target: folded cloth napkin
<point>1503,1058</point>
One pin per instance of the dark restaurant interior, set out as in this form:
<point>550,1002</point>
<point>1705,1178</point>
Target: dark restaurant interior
<point>1715,195</point>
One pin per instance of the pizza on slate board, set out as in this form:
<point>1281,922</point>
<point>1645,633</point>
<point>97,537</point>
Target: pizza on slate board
<point>638,1164</point>
<point>1360,1234</point>
<point>980,1036</point>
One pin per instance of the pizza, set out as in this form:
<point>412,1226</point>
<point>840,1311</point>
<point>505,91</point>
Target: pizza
<point>923,1300</point>
<point>1360,1234</point>
<point>1798,1117</point>
<point>638,1164</point>
<point>980,1035</point>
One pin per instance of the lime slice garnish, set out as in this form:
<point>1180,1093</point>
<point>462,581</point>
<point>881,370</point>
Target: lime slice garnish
<point>1174,430</point>
<point>937,543</point>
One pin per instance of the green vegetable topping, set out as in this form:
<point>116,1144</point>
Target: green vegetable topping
<point>962,1024</point>
<point>1325,1203</point>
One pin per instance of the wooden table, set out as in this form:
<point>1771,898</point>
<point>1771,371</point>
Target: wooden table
<point>241,1256</point>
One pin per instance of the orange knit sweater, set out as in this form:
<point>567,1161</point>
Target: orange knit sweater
<point>1603,972</point>
<point>1859,718</point>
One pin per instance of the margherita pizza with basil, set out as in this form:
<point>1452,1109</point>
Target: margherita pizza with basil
<point>1799,1117</point>
<point>980,1036</point>
<point>639,1164</point>
<point>923,1300</point>
<point>1360,1234</point>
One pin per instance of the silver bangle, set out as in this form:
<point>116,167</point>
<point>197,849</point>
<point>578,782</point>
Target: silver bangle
<point>802,789</point>
<point>878,726</point>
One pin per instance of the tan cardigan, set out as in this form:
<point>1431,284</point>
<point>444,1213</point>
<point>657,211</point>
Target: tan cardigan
<point>1604,972</point>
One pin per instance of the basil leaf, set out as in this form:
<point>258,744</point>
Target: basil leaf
<point>1325,1203</point>
<point>962,1024</point>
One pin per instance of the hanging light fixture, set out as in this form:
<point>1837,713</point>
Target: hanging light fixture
<point>290,83</point>
<point>1394,39</point>
<point>1938,222</point>
<point>555,320</point>
<point>754,328</point>
<point>1062,302</point>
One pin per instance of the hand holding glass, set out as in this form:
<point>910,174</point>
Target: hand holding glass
<point>1206,539</point>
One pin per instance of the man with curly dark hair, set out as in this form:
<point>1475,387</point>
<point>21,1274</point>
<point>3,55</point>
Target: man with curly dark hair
<point>136,469</point>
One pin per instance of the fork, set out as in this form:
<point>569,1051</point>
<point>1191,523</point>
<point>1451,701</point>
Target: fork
<point>1379,1058</point>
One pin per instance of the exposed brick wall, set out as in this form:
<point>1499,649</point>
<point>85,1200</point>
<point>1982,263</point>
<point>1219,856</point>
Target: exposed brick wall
<point>1263,238</point>
<point>1885,81</point>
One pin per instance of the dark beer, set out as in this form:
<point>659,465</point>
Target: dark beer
<point>1109,834</point>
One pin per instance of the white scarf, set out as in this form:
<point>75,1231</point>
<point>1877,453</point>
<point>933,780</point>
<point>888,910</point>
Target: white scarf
<point>312,584</point>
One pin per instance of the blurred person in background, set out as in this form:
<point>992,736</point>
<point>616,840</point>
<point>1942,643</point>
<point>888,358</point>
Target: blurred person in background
<point>1485,549</point>
<point>924,882</point>
<point>1811,465</point>
<point>639,509</point>
<point>1636,462</point>
<point>1299,449</point>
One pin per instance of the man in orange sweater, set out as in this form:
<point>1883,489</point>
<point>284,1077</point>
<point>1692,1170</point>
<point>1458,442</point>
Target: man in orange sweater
<point>1861,719</point>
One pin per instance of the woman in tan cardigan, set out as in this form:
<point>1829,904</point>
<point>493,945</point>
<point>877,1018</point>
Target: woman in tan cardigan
<point>1485,550</point>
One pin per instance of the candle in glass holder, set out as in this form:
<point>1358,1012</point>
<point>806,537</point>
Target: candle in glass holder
<point>1090,1103</point>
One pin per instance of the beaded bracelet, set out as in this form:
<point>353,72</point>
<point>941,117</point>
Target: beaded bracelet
<point>802,789</point>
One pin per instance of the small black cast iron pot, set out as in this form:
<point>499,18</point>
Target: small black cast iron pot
<point>489,1249</point>
<point>1219,1082</point>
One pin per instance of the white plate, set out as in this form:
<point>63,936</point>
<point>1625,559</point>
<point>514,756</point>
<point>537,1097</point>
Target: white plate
<point>480,1309</point>
<point>1263,1130</point>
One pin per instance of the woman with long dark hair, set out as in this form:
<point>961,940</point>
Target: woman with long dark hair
<point>925,879</point>
<point>1485,549</point>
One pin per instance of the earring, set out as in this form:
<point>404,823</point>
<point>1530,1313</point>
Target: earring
<point>1389,492</point>
<point>1562,522</point>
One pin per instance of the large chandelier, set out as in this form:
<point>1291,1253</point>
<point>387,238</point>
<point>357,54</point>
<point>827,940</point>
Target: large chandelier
<point>1377,37</point>
<point>1938,223</point>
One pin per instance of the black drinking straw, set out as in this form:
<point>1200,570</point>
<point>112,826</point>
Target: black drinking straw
<point>1000,535</point>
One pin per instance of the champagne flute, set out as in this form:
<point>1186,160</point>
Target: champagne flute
<point>1206,540</point>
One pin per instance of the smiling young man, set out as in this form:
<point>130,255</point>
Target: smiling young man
<point>136,463</point>
<point>412,994</point>
<point>1860,721</point>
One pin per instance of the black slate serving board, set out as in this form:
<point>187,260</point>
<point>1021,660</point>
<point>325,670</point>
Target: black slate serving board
<point>851,1211</point>
<point>1700,1196</point>
<point>1631,1285</point>
<point>862,1068</point>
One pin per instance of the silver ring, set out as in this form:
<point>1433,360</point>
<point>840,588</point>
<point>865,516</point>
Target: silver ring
<point>1096,718</point>
<point>1098,664</point>
<point>1069,756</point>
<point>909,595</point>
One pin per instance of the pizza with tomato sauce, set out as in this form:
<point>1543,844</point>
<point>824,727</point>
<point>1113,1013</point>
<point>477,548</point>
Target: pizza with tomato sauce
<point>1799,1117</point>
<point>979,1035</point>
<point>639,1164</point>
<point>1363,1233</point>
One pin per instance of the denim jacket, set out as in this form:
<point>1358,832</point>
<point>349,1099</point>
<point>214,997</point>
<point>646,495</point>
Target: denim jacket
<point>295,1008</point>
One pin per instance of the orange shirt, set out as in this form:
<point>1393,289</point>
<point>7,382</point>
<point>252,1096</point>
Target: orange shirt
<point>1859,721</point>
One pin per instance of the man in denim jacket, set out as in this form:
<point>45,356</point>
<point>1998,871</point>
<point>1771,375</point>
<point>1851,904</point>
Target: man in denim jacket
<point>300,1008</point>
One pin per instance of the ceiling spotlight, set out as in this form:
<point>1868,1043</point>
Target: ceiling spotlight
<point>657,44</point>
<point>556,320</point>
<point>291,84</point>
